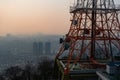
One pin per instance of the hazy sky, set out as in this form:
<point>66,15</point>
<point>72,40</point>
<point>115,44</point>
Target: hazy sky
<point>34,16</point>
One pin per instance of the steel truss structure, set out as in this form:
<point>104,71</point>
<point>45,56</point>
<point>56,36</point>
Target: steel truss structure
<point>94,33</point>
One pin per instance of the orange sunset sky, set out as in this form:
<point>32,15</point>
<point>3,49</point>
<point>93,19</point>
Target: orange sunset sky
<point>34,16</point>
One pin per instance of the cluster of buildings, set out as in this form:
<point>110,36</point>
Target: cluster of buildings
<point>40,48</point>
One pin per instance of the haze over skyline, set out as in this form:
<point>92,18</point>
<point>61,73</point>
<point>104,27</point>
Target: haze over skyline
<point>34,16</point>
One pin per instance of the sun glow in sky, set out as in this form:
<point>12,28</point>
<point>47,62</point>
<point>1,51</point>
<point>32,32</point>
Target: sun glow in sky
<point>34,16</point>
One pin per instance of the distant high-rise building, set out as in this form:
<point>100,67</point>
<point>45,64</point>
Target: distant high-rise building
<point>47,48</point>
<point>35,48</point>
<point>40,47</point>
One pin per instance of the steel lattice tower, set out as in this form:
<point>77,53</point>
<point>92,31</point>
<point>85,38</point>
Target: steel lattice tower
<point>94,32</point>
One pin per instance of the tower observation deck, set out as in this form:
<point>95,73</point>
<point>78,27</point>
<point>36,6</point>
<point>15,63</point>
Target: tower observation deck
<point>92,40</point>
